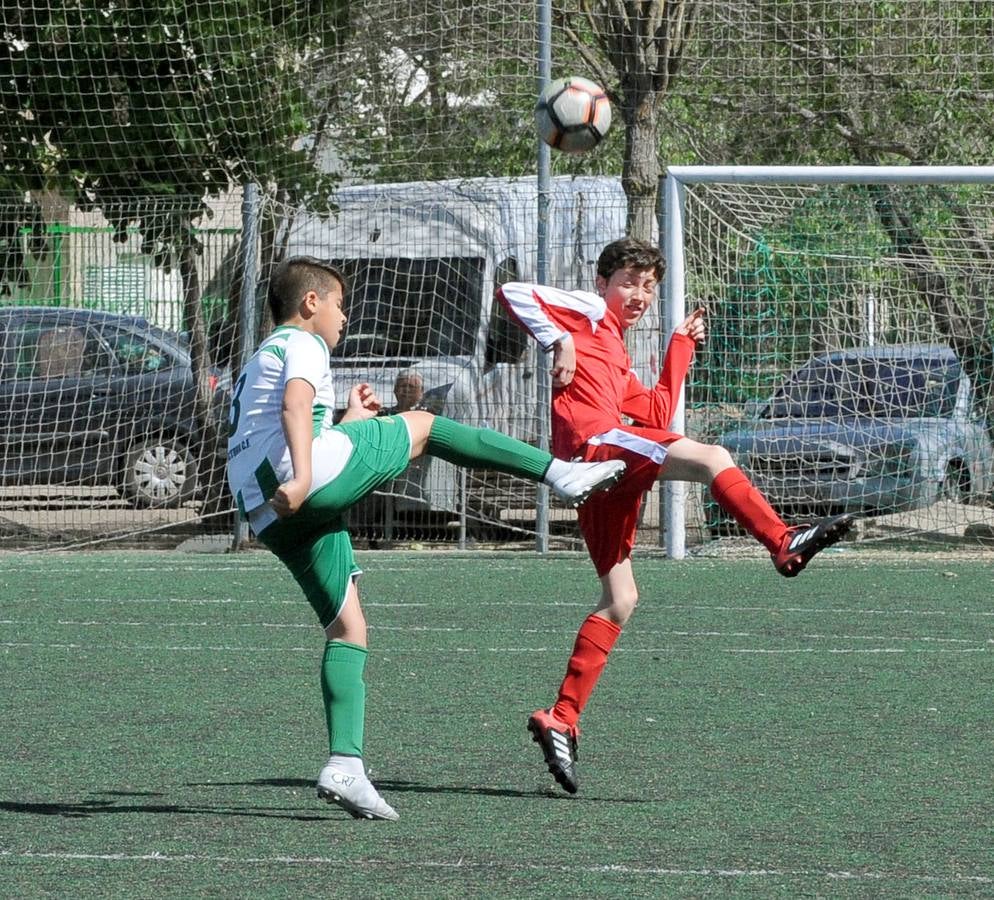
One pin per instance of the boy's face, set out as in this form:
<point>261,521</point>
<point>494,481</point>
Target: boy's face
<point>628,293</point>
<point>328,314</point>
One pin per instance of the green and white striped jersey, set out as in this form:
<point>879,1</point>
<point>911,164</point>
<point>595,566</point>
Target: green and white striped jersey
<point>258,457</point>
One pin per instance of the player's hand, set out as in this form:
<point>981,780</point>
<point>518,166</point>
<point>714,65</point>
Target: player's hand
<point>693,326</point>
<point>289,497</point>
<point>563,361</point>
<point>363,403</point>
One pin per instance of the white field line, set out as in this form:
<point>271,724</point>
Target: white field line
<point>462,863</point>
<point>53,567</point>
<point>266,564</point>
<point>206,601</point>
<point>447,629</point>
<point>541,604</point>
<point>388,651</point>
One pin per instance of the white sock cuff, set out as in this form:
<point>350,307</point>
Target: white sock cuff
<point>351,765</point>
<point>557,468</point>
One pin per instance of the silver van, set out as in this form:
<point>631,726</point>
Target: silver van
<point>424,260</point>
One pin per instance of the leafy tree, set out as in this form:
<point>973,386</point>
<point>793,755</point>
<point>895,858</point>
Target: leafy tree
<point>873,82</point>
<point>141,111</point>
<point>447,89</point>
<point>635,48</point>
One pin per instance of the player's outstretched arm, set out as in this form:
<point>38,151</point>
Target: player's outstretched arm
<point>694,326</point>
<point>654,407</point>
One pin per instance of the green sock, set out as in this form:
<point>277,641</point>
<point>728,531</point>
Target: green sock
<point>481,448</point>
<point>344,696</point>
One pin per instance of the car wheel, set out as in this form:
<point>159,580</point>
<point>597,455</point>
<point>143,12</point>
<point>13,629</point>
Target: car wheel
<point>956,484</point>
<point>159,472</point>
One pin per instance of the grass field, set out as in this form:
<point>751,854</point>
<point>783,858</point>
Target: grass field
<point>827,735</point>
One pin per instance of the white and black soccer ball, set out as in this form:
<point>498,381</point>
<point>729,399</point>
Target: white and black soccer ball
<point>573,114</point>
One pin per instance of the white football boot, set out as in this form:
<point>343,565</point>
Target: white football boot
<point>349,788</point>
<point>574,482</point>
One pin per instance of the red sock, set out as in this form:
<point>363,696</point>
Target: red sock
<point>736,495</point>
<point>594,641</point>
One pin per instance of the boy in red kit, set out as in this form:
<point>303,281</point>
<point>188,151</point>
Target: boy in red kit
<point>594,393</point>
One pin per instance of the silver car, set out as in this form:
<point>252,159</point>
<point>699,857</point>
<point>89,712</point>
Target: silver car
<point>869,431</point>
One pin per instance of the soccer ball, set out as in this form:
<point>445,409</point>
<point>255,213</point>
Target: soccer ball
<point>573,114</point>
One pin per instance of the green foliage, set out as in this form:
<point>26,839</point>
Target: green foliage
<point>111,103</point>
<point>447,92</point>
<point>870,82</point>
<point>786,282</point>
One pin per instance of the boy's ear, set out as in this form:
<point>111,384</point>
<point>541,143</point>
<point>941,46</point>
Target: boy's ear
<point>308,303</point>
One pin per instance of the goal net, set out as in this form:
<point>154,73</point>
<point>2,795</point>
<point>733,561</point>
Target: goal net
<point>849,363</point>
<point>129,131</point>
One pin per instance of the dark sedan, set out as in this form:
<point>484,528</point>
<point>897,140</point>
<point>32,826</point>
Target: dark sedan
<point>95,398</point>
<point>869,430</point>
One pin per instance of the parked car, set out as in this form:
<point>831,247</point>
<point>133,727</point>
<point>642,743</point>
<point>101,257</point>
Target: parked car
<point>95,398</point>
<point>869,431</point>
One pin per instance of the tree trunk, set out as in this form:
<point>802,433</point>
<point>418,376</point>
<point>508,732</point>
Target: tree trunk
<point>641,170</point>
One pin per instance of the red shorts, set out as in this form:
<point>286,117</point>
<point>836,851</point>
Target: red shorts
<point>608,520</point>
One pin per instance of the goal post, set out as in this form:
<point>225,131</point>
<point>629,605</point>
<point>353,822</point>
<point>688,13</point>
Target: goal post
<point>838,271</point>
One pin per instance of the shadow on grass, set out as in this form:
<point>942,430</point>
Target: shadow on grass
<point>85,809</point>
<point>413,787</point>
<point>400,787</point>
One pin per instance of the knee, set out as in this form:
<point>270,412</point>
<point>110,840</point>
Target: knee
<point>419,424</point>
<point>620,604</point>
<point>352,631</point>
<point>717,459</point>
<point>350,623</point>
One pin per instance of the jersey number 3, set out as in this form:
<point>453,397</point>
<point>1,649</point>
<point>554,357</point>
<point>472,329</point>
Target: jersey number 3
<point>236,407</point>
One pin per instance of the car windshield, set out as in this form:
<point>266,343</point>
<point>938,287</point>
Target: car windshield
<point>885,388</point>
<point>410,307</point>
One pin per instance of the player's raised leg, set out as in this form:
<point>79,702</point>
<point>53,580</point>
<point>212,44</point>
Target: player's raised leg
<point>790,547</point>
<point>481,448</point>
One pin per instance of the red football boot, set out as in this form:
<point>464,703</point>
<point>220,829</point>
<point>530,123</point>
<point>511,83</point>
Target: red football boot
<point>558,743</point>
<point>803,541</point>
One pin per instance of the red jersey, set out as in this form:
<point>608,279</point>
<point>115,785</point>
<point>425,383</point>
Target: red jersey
<point>604,388</point>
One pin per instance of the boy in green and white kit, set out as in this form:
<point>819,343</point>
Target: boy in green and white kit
<point>294,474</point>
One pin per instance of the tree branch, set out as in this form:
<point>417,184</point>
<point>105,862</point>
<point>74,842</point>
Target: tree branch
<point>603,75</point>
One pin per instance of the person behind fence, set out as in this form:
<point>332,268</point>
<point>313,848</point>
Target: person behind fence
<point>294,474</point>
<point>595,395</point>
<point>408,391</point>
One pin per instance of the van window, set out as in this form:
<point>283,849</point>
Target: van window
<point>411,307</point>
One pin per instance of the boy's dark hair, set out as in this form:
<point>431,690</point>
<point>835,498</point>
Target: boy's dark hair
<point>293,278</point>
<point>629,253</point>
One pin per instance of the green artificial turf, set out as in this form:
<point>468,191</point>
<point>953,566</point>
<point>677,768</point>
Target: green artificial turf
<point>826,735</point>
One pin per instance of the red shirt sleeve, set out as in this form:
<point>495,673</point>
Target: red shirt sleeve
<point>654,408</point>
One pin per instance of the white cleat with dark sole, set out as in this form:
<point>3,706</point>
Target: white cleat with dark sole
<point>574,482</point>
<point>354,793</point>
